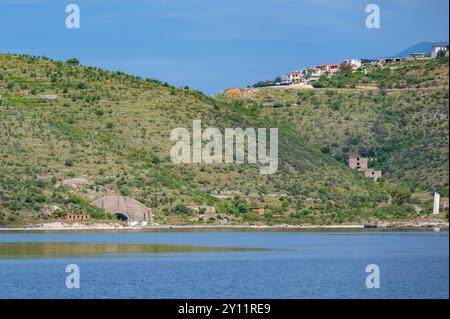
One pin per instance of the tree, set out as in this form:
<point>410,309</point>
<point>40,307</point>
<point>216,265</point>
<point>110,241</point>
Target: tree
<point>242,208</point>
<point>400,195</point>
<point>346,68</point>
<point>73,61</point>
<point>278,79</point>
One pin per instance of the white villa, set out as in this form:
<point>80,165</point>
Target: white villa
<point>355,63</point>
<point>439,50</point>
<point>296,77</point>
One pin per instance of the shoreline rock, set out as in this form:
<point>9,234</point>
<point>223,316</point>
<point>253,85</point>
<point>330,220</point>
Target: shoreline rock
<point>382,224</point>
<point>118,226</point>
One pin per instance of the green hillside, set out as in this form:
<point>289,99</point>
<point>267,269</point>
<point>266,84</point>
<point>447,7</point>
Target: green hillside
<point>405,129</point>
<point>113,130</point>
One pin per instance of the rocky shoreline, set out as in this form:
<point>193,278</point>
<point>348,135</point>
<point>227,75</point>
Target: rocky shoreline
<point>431,224</point>
<point>62,226</point>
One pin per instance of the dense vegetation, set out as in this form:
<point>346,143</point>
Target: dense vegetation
<point>113,130</point>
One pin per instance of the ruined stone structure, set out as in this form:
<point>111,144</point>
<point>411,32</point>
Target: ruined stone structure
<point>127,208</point>
<point>373,174</point>
<point>77,217</point>
<point>258,210</point>
<point>357,162</point>
<point>362,165</point>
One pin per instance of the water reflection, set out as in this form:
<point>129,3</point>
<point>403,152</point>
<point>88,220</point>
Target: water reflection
<point>51,249</point>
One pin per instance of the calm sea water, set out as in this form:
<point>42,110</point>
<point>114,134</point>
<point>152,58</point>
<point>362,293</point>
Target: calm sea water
<point>274,264</point>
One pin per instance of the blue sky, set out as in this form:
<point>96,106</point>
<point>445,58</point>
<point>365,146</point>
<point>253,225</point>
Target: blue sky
<point>212,45</point>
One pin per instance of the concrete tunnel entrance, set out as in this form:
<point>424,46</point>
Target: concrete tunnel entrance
<point>122,217</point>
<point>125,209</point>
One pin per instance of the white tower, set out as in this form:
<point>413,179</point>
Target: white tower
<point>437,198</point>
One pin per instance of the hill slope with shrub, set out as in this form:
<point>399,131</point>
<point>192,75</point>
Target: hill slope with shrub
<point>405,129</point>
<point>113,130</point>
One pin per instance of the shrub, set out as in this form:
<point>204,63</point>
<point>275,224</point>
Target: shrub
<point>251,217</point>
<point>124,191</point>
<point>94,211</point>
<point>69,163</point>
<point>81,86</point>
<point>181,209</point>
<point>242,208</point>
<point>73,61</point>
<point>400,195</point>
<point>156,160</point>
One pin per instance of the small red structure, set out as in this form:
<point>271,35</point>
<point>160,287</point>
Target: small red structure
<point>77,217</point>
<point>22,91</point>
<point>258,210</point>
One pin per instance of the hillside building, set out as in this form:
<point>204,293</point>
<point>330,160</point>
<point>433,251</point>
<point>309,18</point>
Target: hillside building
<point>420,56</point>
<point>258,210</point>
<point>439,51</point>
<point>77,217</point>
<point>314,72</point>
<point>296,77</point>
<point>354,63</point>
<point>385,61</point>
<point>373,174</point>
<point>329,69</point>
<point>358,162</point>
<point>362,164</point>
<point>22,91</point>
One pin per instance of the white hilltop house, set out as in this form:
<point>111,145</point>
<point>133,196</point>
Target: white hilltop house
<point>354,63</point>
<point>439,50</point>
<point>296,77</point>
<point>314,72</point>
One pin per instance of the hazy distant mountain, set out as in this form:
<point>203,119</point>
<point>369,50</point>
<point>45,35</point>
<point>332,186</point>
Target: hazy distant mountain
<point>422,47</point>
